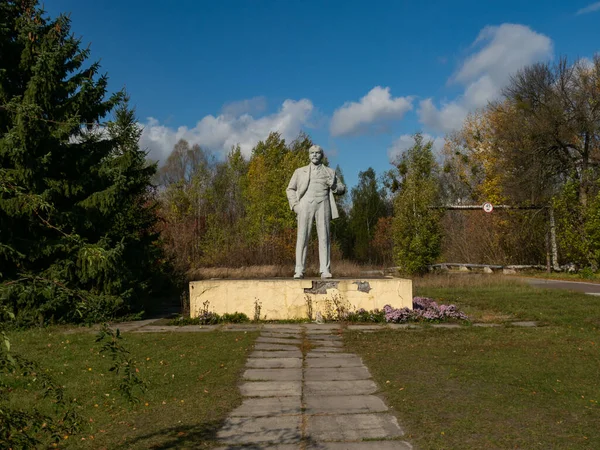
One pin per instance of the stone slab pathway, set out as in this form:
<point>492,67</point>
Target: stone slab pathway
<point>303,392</point>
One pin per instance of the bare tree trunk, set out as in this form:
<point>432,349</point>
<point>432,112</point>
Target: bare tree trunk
<point>548,253</point>
<point>555,265</point>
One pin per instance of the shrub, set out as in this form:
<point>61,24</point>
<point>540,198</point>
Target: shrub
<point>362,315</point>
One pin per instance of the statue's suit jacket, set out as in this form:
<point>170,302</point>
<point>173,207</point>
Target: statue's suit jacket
<point>299,184</point>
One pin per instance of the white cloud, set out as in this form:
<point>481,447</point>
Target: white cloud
<point>586,63</point>
<point>406,141</point>
<point>589,8</point>
<point>500,51</point>
<point>378,105</point>
<point>222,132</point>
<point>449,117</point>
<point>247,106</point>
<point>508,48</point>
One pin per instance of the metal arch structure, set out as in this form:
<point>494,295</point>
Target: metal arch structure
<point>550,236</point>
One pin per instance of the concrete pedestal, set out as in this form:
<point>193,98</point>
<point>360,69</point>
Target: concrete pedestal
<point>281,299</point>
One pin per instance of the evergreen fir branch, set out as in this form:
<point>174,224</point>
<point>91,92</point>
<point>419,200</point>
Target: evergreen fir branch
<point>49,225</point>
<point>33,278</point>
<point>74,120</point>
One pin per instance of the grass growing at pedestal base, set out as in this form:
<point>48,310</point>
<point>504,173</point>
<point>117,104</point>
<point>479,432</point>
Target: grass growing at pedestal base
<point>192,386</point>
<point>503,387</point>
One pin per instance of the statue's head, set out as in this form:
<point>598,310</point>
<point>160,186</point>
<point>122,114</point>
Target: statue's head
<point>315,154</point>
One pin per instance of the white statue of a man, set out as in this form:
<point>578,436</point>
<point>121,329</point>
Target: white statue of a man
<point>310,194</point>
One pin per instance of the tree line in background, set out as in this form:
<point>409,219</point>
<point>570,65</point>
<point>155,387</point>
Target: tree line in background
<point>537,148</point>
<point>235,213</point>
<point>91,230</point>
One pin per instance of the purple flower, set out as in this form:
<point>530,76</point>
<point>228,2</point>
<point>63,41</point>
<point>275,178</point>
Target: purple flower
<point>423,303</point>
<point>424,309</point>
<point>395,315</point>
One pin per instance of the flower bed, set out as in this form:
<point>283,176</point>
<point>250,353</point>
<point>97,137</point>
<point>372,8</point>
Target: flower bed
<point>424,310</point>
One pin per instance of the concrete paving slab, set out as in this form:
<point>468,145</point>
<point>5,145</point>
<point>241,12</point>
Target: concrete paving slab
<point>446,325</point>
<point>269,406</point>
<point>251,430</point>
<point>275,363</point>
<point>264,447</point>
<point>283,326</point>
<point>273,374</point>
<point>355,387</point>
<point>283,331</point>
<point>132,325</point>
<point>334,332</point>
<point>149,329</point>
<point>271,388</point>
<point>487,325</point>
<point>324,337</point>
<point>366,445</point>
<point>239,327</point>
<point>280,340</point>
<point>194,328</point>
<point>334,362</point>
<point>276,354</point>
<point>401,326</point>
<point>274,334</point>
<point>353,427</point>
<point>329,354</point>
<point>335,374</point>
<point>348,404</point>
<point>327,343</point>
<point>174,329</point>
<point>366,327</point>
<point>261,346</point>
<point>327,349</point>
<point>322,326</point>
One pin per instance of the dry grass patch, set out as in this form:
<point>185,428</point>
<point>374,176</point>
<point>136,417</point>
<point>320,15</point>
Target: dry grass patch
<point>340,269</point>
<point>464,280</point>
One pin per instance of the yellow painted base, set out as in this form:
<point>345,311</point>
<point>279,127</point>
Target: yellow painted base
<point>281,299</point>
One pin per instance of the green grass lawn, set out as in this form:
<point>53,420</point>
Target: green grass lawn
<point>502,387</point>
<point>192,385</point>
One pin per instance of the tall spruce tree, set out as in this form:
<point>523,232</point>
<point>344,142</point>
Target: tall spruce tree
<point>76,208</point>
<point>416,227</point>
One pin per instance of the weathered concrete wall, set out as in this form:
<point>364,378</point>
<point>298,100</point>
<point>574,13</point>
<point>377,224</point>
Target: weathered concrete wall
<point>281,299</point>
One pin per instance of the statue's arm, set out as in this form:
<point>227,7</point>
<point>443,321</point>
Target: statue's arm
<point>292,191</point>
<point>337,187</point>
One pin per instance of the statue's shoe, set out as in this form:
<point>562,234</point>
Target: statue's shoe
<point>298,276</point>
<point>326,275</point>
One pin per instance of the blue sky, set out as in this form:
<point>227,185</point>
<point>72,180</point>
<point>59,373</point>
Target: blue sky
<point>359,77</point>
